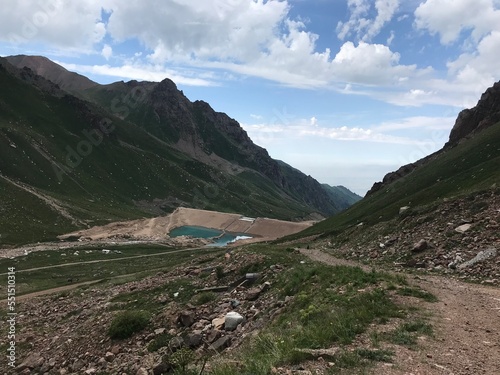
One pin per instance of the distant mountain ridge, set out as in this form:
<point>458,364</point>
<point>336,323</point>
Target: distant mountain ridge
<point>66,80</point>
<point>126,150</point>
<point>468,124</point>
<point>466,168</point>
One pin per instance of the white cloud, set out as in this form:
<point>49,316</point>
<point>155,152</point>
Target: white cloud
<point>449,18</point>
<point>360,25</point>
<point>231,30</point>
<point>419,122</point>
<point>107,51</point>
<point>476,24</point>
<point>73,25</point>
<point>266,134</point>
<point>391,38</point>
<point>371,64</point>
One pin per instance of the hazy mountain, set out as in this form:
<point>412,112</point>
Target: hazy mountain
<point>342,196</point>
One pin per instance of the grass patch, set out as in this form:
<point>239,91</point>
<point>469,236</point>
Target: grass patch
<point>204,297</point>
<point>330,307</point>
<point>418,293</point>
<point>360,359</point>
<point>406,334</point>
<point>159,341</point>
<point>126,323</point>
<point>148,299</point>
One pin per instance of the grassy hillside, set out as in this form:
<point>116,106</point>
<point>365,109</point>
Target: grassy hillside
<point>472,165</point>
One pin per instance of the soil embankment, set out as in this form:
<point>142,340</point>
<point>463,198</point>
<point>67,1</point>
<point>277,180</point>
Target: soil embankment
<point>263,229</point>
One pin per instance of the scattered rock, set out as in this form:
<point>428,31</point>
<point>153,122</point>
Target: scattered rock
<point>187,318</point>
<point>420,246</point>
<point>162,368</point>
<point>221,343</point>
<point>403,209</point>
<point>33,361</point>
<point>159,331</point>
<point>253,294</point>
<point>194,340</point>
<point>463,228</point>
<point>213,335</point>
<point>109,357</point>
<point>218,323</point>
<point>233,319</point>
<point>480,257</point>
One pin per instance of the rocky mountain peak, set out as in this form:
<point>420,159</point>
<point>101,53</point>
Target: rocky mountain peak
<point>469,122</point>
<point>485,114</point>
<point>51,71</point>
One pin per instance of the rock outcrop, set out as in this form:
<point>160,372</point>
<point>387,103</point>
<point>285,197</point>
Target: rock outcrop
<point>485,114</point>
<point>469,122</point>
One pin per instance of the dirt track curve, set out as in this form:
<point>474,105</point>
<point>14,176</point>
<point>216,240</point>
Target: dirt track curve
<point>466,320</point>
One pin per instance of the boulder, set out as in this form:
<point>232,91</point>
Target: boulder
<point>162,368</point>
<point>233,319</point>
<point>34,360</point>
<point>463,228</point>
<point>420,246</point>
<point>252,294</point>
<point>218,323</point>
<point>193,340</point>
<point>221,343</point>
<point>186,318</point>
<point>213,335</point>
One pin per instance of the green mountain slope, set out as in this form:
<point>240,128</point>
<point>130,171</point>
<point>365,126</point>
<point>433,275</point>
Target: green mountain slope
<point>193,128</point>
<point>66,164</point>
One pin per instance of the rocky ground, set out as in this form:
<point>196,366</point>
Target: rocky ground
<point>68,333</point>
<point>459,237</point>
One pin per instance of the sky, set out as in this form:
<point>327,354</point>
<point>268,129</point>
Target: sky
<point>344,90</point>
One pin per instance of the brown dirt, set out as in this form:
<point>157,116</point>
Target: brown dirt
<point>157,228</point>
<point>466,320</point>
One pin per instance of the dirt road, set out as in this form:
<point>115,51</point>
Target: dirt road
<point>466,321</point>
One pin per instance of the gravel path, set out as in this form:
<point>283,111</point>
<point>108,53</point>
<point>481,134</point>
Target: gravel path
<point>466,321</point>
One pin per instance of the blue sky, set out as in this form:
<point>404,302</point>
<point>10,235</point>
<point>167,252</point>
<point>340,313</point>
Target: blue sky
<point>344,90</point>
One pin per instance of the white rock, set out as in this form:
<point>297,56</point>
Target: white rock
<point>403,209</point>
<point>463,228</point>
<point>233,319</point>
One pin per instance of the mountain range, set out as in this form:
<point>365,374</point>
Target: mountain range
<point>75,153</point>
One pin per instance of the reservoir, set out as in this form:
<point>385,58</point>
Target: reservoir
<point>220,238</point>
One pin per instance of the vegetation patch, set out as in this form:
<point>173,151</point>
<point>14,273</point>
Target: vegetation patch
<point>126,323</point>
<point>418,293</point>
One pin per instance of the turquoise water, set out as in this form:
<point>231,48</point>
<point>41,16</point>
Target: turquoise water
<point>202,232</point>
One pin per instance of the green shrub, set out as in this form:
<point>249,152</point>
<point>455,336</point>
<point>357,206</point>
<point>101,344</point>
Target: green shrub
<point>204,297</point>
<point>126,323</point>
<point>219,272</point>
<point>159,341</point>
